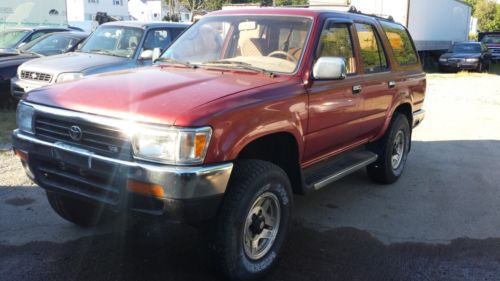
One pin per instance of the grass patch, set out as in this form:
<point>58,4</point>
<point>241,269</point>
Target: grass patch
<point>7,124</point>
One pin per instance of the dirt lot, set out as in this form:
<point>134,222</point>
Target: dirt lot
<point>439,222</point>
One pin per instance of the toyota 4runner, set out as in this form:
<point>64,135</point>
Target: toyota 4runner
<point>246,108</point>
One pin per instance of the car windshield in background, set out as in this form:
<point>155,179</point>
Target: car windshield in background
<point>113,40</point>
<point>10,38</point>
<point>51,44</point>
<point>466,48</point>
<point>491,39</point>
<point>253,42</point>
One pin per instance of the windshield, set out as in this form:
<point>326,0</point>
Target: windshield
<point>466,48</point>
<point>113,40</point>
<point>10,38</point>
<point>258,42</point>
<point>51,44</point>
<point>491,39</point>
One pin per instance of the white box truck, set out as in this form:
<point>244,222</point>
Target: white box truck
<point>14,13</point>
<point>433,24</point>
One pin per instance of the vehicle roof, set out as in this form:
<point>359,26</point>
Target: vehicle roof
<point>76,34</point>
<point>33,28</point>
<point>141,24</point>
<point>307,12</point>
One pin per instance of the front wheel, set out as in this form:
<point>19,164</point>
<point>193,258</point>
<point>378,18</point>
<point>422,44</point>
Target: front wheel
<point>392,151</point>
<point>254,219</point>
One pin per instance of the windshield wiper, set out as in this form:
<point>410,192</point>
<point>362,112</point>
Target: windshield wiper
<point>30,53</point>
<point>238,64</point>
<point>104,52</point>
<point>174,61</point>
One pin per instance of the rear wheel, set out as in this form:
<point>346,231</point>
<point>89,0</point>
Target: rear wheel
<point>254,220</point>
<point>76,211</point>
<point>392,151</point>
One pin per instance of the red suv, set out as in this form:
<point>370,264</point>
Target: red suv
<point>246,108</point>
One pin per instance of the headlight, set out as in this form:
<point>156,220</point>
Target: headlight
<point>64,77</point>
<point>172,145</point>
<point>24,117</point>
<point>443,59</point>
<point>472,60</point>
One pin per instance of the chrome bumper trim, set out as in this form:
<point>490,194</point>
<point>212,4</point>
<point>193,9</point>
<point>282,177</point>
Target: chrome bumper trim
<point>178,182</point>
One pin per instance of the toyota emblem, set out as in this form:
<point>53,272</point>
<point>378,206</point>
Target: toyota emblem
<point>75,133</point>
<point>34,76</point>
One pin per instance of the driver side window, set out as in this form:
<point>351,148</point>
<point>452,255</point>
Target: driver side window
<point>335,41</point>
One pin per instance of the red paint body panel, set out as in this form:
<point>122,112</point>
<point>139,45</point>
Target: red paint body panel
<point>324,117</point>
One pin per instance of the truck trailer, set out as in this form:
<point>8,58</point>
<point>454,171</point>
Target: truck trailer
<point>434,25</point>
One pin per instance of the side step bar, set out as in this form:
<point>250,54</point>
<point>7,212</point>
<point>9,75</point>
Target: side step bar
<point>329,171</point>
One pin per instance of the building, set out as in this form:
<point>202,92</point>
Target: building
<point>154,10</point>
<point>82,13</point>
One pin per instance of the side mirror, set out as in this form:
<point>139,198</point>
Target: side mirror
<point>156,54</point>
<point>329,68</point>
<point>146,55</point>
<point>22,44</point>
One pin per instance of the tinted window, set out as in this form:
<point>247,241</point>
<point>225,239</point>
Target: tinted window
<point>400,42</point>
<point>335,41</point>
<point>158,38</point>
<point>53,44</point>
<point>371,49</point>
<point>10,38</point>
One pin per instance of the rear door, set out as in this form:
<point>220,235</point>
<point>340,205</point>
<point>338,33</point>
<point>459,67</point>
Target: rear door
<point>378,86</point>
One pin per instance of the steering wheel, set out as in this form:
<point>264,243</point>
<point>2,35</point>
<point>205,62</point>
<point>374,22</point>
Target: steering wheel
<point>283,53</point>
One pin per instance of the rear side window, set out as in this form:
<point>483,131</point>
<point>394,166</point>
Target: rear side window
<point>371,48</point>
<point>400,43</point>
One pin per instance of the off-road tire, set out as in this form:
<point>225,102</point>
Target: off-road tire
<point>382,170</point>
<point>76,211</point>
<point>250,180</point>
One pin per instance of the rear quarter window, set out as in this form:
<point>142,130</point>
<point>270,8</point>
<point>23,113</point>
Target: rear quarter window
<point>400,42</point>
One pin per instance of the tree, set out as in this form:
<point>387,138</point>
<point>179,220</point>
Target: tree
<point>485,12</point>
<point>193,5</point>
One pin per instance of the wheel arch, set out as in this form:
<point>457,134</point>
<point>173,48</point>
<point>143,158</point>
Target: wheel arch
<point>281,149</point>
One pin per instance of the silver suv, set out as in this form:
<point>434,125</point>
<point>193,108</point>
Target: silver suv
<point>113,46</point>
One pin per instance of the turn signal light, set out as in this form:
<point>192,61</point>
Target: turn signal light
<point>148,189</point>
<point>21,154</point>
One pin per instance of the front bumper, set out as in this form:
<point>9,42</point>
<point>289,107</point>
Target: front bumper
<point>459,65</point>
<point>191,194</point>
<point>19,87</point>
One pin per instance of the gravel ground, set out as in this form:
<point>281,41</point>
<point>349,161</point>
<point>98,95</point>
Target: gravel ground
<point>439,222</point>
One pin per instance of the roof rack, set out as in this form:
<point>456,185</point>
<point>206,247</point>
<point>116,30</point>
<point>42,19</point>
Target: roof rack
<point>353,10</point>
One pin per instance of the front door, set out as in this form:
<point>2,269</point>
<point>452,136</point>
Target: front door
<point>334,105</point>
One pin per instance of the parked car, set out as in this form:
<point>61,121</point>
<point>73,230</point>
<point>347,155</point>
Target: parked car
<point>47,45</point>
<point>244,109</point>
<point>492,41</point>
<point>466,56</point>
<point>112,46</point>
<point>11,39</point>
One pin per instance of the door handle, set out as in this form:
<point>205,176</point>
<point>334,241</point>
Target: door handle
<point>392,84</point>
<point>356,89</point>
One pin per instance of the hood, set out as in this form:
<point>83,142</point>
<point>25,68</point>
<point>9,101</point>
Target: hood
<point>19,59</point>
<point>71,62</point>
<point>155,94</point>
<point>461,55</point>
<point>8,52</point>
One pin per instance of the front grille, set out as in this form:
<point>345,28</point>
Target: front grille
<point>456,60</point>
<point>37,76</point>
<point>101,183</point>
<point>97,138</point>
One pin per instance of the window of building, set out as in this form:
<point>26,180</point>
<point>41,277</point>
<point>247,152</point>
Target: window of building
<point>335,41</point>
<point>118,2</point>
<point>372,52</point>
<point>93,1</point>
<point>400,41</point>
